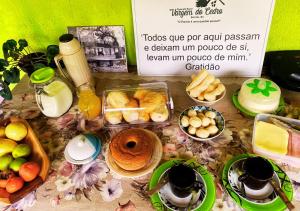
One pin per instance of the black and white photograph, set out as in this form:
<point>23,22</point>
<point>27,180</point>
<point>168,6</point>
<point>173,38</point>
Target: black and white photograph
<point>104,47</point>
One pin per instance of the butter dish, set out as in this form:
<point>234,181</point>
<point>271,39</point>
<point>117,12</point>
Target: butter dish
<point>275,141</point>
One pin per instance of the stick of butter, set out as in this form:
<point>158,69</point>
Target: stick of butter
<point>271,138</point>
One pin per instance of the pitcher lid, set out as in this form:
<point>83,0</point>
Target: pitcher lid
<point>66,38</point>
<point>42,75</point>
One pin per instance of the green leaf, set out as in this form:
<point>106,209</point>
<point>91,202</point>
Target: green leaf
<point>256,82</point>
<point>265,92</point>
<point>5,91</point>
<point>52,50</point>
<point>22,44</point>
<point>12,76</point>
<point>255,91</point>
<point>251,85</point>
<point>14,55</point>
<point>5,50</point>
<point>3,64</point>
<point>12,44</point>
<point>38,66</point>
<point>272,89</point>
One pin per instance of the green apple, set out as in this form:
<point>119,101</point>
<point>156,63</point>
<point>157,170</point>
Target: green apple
<point>16,164</point>
<point>21,150</point>
<point>5,160</point>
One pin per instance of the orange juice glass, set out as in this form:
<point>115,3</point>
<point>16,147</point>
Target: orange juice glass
<point>89,103</point>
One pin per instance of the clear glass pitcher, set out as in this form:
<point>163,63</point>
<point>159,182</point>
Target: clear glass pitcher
<point>53,96</point>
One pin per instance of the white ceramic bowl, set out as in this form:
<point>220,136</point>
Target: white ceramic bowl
<point>220,122</point>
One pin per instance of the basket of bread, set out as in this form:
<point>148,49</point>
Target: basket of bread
<point>201,123</point>
<point>142,104</point>
<point>205,88</point>
<point>24,164</point>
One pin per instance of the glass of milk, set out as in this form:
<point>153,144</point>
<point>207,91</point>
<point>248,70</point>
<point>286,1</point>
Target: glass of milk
<point>53,96</point>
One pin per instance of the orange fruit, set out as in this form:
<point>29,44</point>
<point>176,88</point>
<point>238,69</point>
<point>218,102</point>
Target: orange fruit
<point>3,193</point>
<point>29,171</point>
<point>14,184</point>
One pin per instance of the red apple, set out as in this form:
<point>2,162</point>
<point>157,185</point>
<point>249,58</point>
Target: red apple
<point>14,184</point>
<point>29,171</point>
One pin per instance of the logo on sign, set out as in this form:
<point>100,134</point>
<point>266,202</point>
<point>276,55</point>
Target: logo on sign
<point>205,11</point>
<point>205,3</point>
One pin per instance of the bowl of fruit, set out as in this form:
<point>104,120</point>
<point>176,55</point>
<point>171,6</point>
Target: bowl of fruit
<point>24,164</point>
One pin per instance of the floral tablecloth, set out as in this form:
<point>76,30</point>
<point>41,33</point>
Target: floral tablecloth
<point>93,186</point>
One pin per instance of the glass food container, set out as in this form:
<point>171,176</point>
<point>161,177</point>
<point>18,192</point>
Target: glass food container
<point>53,95</point>
<point>141,104</point>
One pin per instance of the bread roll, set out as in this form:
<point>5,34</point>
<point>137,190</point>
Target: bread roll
<point>160,115</point>
<point>195,92</point>
<point>195,121</point>
<point>216,81</point>
<point>201,96</point>
<point>144,116</point>
<point>202,133</point>
<point>197,79</point>
<point>152,101</point>
<point>185,121</point>
<point>211,96</point>
<point>113,117</point>
<point>140,93</point>
<point>201,115</point>
<point>210,114</point>
<point>191,130</point>
<point>132,113</point>
<point>117,99</point>
<point>212,130</point>
<point>210,88</point>
<point>192,113</point>
<point>205,121</point>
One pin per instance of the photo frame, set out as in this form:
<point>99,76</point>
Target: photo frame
<point>104,47</point>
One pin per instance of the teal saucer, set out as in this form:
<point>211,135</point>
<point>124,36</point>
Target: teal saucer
<point>210,194</point>
<point>251,114</point>
<point>270,204</point>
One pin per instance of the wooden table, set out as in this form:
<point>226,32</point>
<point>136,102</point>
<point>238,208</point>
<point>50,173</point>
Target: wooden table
<point>64,128</point>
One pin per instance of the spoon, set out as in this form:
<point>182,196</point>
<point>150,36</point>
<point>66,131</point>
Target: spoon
<point>158,186</point>
<point>281,194</point>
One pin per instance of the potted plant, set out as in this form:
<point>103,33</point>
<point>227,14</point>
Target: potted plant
<point>17,57</point>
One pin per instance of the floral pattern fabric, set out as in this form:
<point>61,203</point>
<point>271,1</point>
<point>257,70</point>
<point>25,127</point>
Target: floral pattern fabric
<point>95,182</point>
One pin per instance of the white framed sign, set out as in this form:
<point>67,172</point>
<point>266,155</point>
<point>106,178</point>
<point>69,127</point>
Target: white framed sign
<point>180,37</point>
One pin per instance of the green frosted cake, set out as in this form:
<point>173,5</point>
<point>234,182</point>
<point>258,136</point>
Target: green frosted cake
<point>259,95</point>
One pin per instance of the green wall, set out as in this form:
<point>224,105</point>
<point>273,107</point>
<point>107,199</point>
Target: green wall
<point>41,22</point>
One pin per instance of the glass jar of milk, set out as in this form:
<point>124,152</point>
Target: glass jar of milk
<point>53,95</point>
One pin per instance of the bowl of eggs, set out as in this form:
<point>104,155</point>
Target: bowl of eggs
<point>201,123</point>
<point>205,88</point>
